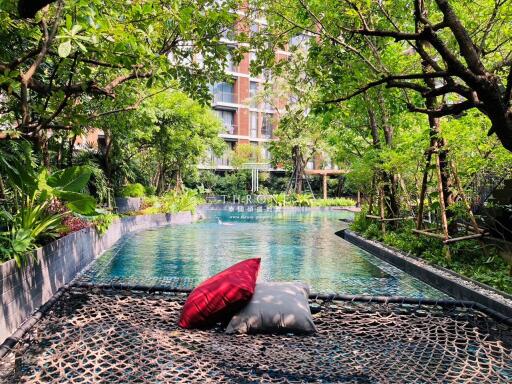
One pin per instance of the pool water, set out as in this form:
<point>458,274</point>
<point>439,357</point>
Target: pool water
<point>293,246</point>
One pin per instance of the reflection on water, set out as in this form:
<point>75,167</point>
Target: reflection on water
<point>292,246</point>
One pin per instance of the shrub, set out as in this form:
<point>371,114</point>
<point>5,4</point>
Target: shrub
<point>133,190</point>
<point>150,190</point>
<point>304,200</point>
<point>103,222</point>
<point>334,202</point>
<point>172,202</point>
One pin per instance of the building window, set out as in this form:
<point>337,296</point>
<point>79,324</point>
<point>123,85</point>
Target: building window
<point>267,75</point>
<point>254,124</point>
<point>266,126</point>
<point>225,159</point>
<point>228,118</point>
<point>224,92</point>
<point>267,106</point>
<point>230,65</point>
<point>253,92</point>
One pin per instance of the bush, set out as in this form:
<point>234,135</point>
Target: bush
<point>150,190</point>
<point>172,202</point>
<point>133,190</point>
<point>467,257</point>
<point>103,222</point>
<point>304,200</point>
<point>334,202</point>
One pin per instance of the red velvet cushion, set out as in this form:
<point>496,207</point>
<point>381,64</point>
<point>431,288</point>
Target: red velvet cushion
<point>221,296</point>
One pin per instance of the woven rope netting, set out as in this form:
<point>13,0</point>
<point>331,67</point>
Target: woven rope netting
<point>120,336</point>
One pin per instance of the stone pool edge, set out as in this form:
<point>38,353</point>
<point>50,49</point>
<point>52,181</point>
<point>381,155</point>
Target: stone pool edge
<point>25,290</point>
<point>449,282</point>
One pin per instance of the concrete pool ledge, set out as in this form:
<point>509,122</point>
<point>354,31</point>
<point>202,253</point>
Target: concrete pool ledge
<point>24,290</point>
<point>449,282</point>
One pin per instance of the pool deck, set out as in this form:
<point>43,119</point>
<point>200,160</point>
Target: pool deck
<point>93,335</point>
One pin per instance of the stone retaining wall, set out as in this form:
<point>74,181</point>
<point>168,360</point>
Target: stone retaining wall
<point>24,290</point>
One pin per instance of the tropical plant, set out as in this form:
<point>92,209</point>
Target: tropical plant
<point>334,202</point>
<point>30,219</point>
<point>302,200</point>
<point>133,190</point>
<point>31,223</point>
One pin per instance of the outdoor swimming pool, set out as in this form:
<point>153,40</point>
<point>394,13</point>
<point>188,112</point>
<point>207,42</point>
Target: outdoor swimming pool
<point>292,246</point>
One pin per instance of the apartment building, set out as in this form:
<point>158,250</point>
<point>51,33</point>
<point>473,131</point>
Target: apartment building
<point>246,120</point>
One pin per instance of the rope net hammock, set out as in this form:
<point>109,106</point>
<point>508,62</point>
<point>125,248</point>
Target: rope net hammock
<point>93,335</point>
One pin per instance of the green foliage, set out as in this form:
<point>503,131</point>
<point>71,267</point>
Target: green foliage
<point>172,202</point>
<point>467,257</point>
<point>150,190</point>
<point>181,132</point>
<point>143,44</point>
<point>133,190</point>
<point>31,224</point>
<point>187,200</point>
<point>333,202</point>
<point>303,200</point>
<point>103,221</point>
<point>29,219</point>
<point>230,184</point>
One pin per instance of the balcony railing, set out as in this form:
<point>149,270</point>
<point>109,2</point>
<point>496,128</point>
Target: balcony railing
<point>223,97</point>
<point>223,161</point>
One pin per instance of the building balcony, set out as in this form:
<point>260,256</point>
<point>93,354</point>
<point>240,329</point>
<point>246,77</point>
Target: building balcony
<point>224,97</point>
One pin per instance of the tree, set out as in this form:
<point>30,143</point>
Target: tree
<point>300,133</point>
<point>58,67</point>
<point>460,51</point>
<point>182,132</point>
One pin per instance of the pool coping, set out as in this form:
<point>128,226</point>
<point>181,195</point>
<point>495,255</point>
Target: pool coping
<point>447,281</point>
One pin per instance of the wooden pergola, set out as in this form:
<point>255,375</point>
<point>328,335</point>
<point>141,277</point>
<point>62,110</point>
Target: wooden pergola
<point>325,173</point>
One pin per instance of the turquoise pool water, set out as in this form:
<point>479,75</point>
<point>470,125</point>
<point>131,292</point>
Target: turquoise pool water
<point>292,245</point>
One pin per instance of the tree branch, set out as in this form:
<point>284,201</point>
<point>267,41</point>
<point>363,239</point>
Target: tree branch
<point>468,49</point>
<point>393,79</point>
<point>445,110</point>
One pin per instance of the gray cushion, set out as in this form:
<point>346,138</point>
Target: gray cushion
<point>275,308</point>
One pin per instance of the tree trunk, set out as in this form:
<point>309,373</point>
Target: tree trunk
<point>340,186</point>
<point>298,170</point>
<point>178,180</point>
<point>108,151</point>
<point>71,148</point>
<point>437,143</point>
<point>389,181</point>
